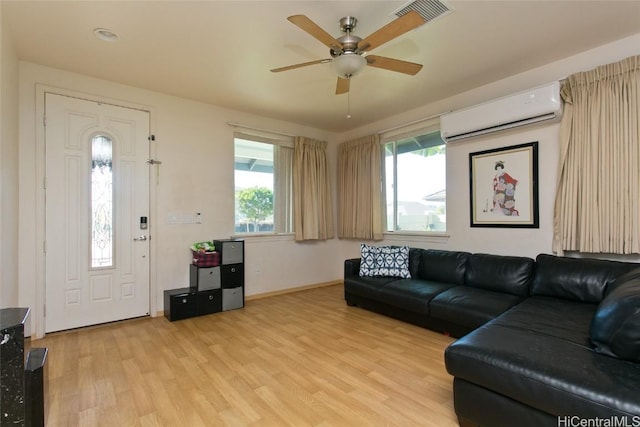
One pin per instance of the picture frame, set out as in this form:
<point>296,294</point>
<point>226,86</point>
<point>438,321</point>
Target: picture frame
<point>503,186</point>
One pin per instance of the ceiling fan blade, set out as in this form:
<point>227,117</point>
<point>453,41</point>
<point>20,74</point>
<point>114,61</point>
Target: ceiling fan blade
<point>304,64</point>
<point>391,64</point>
<point>392,30</point>
<point>315,31</point>
<point>342,86</point>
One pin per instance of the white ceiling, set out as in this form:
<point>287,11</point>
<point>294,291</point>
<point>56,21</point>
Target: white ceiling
<point>220,52</point>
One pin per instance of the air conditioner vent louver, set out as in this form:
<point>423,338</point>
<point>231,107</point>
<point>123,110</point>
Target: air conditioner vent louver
<point>428,9</point>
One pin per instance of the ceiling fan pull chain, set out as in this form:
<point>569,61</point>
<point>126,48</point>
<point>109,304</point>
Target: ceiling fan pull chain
<point>349,105</point>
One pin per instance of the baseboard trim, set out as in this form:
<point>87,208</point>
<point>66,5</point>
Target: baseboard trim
<point>160,313</point>
<point>291,290</point>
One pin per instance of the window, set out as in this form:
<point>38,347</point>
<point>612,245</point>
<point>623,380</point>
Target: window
<point>263,184</point>
<point>415,183</point>
<point>101,202</point>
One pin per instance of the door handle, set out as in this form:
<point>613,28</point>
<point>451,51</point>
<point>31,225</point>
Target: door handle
<point>140,239</point>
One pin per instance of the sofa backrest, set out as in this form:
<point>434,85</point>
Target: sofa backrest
<point>509,274</point>
<point>580,279</point>
<point>442,266</point>
<point>615,327</point>
<point>414,261</point>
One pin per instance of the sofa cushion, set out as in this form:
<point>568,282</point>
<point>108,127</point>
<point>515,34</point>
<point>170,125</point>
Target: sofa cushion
<point>443,266</point>
<point>555,376</point>
<point>471,402</point>
<point>470,307</point>
<point>559,318</point>
<point>414,261</point>
<point>499,273</point>
<point>384,261</point>
<point>624,278</point>
<point>411,294</point>
<point>367,287</point>
<point>538,354</point>
<point>615,328</point>
<point>579,279</point>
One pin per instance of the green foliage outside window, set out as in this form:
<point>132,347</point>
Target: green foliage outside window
<point>256,203</point>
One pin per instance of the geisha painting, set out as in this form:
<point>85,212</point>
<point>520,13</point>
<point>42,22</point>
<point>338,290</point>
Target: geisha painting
<point>503,184</point>
<point>504,192</point>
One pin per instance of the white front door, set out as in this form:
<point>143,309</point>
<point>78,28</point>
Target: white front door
<point>97,196</point>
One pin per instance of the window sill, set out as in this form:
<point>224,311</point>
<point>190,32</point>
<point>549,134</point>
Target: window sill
<point>264,237</point>
<point>416,236</point>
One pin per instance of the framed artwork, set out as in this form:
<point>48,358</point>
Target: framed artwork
<point>504,187</point>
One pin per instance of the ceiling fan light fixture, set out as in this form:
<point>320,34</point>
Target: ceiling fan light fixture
<point>106,35</point>
<point>348,64</point>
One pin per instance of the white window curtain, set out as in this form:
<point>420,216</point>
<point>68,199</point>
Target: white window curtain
<point>359,189</point>
<point>313,211</point>
<point>596,208</point>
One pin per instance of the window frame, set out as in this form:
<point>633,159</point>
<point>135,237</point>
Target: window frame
<point>423,128</point>
<point>277,141</point>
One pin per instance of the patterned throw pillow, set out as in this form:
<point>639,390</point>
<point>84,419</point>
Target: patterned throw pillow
<point>384,261</point>
<point>395,262</point>
<point>368,264</point>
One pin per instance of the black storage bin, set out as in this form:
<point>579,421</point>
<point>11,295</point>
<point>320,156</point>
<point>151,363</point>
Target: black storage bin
<point>209,301</point>
<point>232,276</point>
<point>180,303</point>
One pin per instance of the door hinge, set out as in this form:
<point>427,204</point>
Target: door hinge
<point>44,310</point>
<point>44,120</point>
<point>44,246</point>
<point>44,183</point>
<point>152,138</point>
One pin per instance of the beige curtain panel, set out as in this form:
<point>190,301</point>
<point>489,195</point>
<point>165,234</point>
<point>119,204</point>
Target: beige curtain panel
<point>313,211</point>
<point>359,189</point>
<point>283,186</point>
<point>596,208</point>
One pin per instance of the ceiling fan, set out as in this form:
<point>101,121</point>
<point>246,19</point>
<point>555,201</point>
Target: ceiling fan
<point>349,52</point>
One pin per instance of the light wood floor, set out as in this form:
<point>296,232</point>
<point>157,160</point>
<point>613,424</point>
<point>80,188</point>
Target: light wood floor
<point>297,359</point>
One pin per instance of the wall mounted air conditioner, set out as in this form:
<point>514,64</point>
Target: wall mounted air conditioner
<point>523,108</point>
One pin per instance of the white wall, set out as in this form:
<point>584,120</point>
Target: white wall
<point>195,146</point>
<point>8,168</point>
<point>196,149</point>
<point>525,242</point>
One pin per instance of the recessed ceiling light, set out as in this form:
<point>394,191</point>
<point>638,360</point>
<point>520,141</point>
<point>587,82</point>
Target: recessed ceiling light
<point>105,35</point>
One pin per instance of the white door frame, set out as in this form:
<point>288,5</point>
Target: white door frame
<point>37,312</point>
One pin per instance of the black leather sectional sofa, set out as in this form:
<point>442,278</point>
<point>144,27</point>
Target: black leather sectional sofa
<point>555,341</point>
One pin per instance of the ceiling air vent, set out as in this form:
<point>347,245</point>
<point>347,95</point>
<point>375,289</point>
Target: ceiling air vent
<point>428,9</point>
